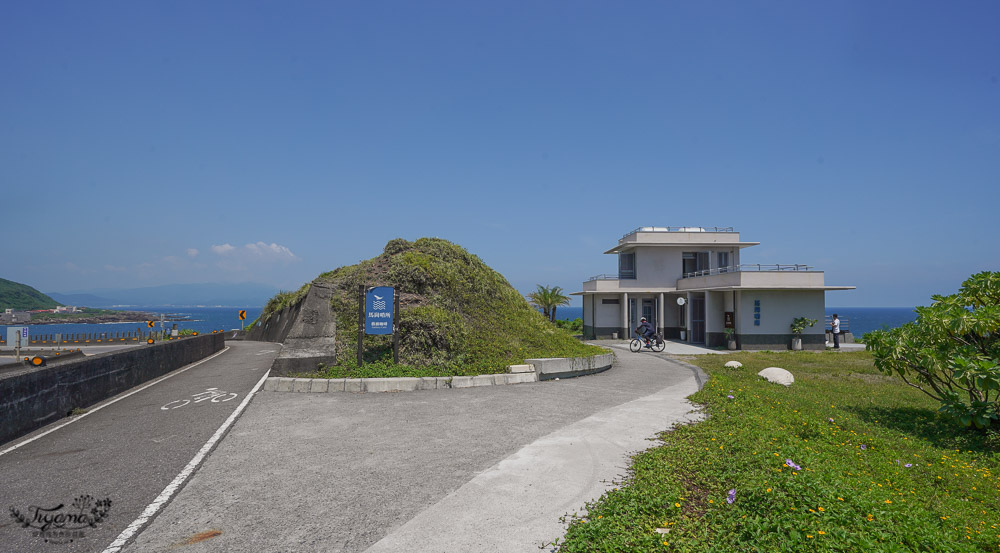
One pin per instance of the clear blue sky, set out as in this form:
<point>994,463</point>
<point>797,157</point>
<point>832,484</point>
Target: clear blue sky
<point>152,143</point>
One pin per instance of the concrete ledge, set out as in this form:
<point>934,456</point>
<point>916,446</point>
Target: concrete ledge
<point>381,385</point>
<point>568,367</point>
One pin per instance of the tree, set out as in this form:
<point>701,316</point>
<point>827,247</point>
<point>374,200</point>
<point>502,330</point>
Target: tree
<point>548,299</point>
<point>951,352</point>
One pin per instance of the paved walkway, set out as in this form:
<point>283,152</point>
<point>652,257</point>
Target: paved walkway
<point>488,469</point>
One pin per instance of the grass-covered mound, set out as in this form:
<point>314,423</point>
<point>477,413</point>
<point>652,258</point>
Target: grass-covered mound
<point>457,315</point>
<point>846,459</point>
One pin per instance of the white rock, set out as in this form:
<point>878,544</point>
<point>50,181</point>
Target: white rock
<point>777,375</point>
<point>734,364</point>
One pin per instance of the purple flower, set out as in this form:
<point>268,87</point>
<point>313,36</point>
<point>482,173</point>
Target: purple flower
<point>908,465</point>
<point>731,397</point>
<point>792,464</point>
<point>863,446</point>
<point>831,420</point>
<point>732,496</point>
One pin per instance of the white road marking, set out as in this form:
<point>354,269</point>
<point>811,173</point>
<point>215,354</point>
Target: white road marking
<point>172,487</point>
<point>103,405</point>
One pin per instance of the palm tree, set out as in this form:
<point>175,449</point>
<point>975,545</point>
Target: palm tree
<point>548,299</point>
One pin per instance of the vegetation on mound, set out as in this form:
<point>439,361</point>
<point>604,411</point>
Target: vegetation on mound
<point>457,315</point>
<point>14,295</point>
<point>846,459</point>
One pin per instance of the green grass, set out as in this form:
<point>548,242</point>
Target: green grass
<point>854,491</point>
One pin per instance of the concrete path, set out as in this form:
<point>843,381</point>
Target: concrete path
<point>478,469</point>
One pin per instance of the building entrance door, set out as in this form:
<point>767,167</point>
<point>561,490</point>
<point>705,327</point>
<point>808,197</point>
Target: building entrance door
<point>698,320</point>
<point>649,311</point>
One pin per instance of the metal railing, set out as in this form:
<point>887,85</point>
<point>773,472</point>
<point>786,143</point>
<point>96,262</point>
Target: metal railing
<point>747,268</point>
<point>603,276</point>
<point>845,324</point>
<point>678,229</point>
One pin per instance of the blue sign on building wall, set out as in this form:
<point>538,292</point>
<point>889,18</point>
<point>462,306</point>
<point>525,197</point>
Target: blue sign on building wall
<point>378,310</point>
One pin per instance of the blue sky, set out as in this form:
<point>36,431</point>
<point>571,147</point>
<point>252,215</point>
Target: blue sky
<point>182,142</point>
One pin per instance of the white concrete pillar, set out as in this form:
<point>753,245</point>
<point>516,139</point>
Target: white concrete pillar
<point>708,315</point>
<point>687,316</point>
<point>660,323</point>
<point>625,324</point>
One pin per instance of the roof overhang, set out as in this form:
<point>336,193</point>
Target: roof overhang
<point>772,288</point>
<point>688,245</point>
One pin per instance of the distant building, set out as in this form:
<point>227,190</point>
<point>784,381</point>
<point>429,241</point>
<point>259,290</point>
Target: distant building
<point>66,309</point>
<point>9,316</point>
<point>692,279</point>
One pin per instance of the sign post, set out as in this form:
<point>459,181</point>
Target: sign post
<point>379,316</point>
<point>243,317</point>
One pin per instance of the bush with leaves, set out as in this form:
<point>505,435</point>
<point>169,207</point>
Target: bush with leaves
<point>951,352</point>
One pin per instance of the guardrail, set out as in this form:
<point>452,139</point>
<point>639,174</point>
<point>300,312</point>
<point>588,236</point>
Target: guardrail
<point>678,229</point>
<point>747,268</point>
<point>604,276</point>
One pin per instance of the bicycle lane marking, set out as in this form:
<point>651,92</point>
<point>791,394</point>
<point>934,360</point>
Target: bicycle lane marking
<point>214,394</point>
<point>179,480</point>
<point>97,408</point>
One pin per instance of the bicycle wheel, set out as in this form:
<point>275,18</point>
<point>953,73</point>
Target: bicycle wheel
<point>659,346</point>
<point>635,345</point>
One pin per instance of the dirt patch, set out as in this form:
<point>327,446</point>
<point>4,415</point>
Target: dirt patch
<point>201,536</point>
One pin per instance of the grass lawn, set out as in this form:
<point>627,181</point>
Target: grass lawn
<point>846,459</point>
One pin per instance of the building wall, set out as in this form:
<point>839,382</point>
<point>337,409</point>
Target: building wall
<point>777,309</point>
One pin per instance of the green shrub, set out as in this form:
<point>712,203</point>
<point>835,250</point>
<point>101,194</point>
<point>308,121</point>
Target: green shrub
<point>951,352</point>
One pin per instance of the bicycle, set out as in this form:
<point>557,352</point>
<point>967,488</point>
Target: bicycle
<point>656,343</point>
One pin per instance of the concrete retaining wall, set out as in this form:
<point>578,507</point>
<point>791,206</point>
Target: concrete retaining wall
<point>566,367</point>
<point>36,398</point>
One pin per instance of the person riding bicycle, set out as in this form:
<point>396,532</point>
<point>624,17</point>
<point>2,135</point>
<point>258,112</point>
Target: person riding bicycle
<point>645,330</point>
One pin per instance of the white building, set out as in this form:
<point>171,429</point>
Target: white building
<point>692,279</point>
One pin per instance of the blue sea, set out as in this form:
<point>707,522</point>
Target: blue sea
<point>206,319</point>
<point>199,319</point>
<point>857,320</point>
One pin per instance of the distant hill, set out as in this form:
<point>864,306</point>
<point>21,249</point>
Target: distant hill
<point>179,295</point>
<point>14,295</point>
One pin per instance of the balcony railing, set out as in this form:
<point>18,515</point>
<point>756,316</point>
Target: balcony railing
<point>602,277</point>
<point>679,229</point>
<point>747,268</point>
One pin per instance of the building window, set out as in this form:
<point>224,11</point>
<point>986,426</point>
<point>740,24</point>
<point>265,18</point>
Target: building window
<point>626,265</point>
<point>723,262</point>
<point>694,262</point>
<point>607,301</point>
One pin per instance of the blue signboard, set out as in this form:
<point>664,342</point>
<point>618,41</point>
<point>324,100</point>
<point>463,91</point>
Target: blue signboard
<point>378,310</point>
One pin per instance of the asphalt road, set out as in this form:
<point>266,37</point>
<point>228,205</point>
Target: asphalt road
<point>485,470</point>
<point>127,451</point>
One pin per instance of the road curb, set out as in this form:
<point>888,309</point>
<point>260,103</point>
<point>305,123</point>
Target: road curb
<point>381,385</point>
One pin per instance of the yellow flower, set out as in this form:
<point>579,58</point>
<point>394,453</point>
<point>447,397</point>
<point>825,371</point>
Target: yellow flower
<point>677,504</point>
<point>808,536</point>
<point>769,490</point>
<point>821,532</point>
<point>888,501</point>
<point>600,516</point>
<point>821,509</point>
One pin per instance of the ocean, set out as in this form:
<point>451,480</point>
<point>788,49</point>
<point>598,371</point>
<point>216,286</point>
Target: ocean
<point>206,319</point>
<point>858,320</point>
<point>199,319</point>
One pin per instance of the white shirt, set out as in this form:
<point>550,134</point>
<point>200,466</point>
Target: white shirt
<point>836,325</point>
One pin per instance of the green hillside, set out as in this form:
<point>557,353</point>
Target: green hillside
<point>14,295</point>
<point>457,315</point>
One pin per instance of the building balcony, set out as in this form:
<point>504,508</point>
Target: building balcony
<point>753,276</point>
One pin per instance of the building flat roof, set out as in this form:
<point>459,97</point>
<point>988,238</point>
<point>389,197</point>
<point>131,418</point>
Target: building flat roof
<point>631,245</point>
<point>715,289</point>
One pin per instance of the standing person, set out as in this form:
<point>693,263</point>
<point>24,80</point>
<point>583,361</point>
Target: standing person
<point>835,325</point>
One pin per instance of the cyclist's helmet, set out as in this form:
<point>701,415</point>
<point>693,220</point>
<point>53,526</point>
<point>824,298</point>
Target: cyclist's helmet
<point>642,319</point>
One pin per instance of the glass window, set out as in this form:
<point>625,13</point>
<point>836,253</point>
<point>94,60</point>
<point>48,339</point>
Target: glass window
<point>626,265</point>
<point>723,262</point>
